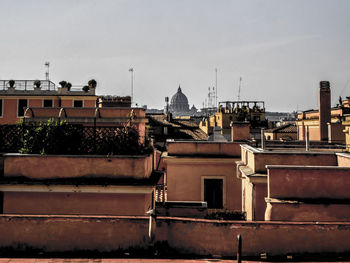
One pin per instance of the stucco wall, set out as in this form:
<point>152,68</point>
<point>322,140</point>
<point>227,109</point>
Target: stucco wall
<point>300,182</point>
<point>288,211</point>
<point>76,203</point>
<point>204,148</point>
<point>200,237</point>
<point>279,158</point>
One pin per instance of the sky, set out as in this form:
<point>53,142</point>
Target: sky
<point>280,48</point>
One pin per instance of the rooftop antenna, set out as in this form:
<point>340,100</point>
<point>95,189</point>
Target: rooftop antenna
<point>131,70</point>
<point>47,73</point>
<point>239,89</point>
<point>216,87</point>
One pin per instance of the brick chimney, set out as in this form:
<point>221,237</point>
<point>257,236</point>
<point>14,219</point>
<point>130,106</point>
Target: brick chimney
<point>324,109</point>
<point>240,131</point>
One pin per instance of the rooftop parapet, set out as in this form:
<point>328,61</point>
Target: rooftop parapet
<point>203,148</point>
<point>293,182</point>
<point>257,159</point>
<point>34,166</point>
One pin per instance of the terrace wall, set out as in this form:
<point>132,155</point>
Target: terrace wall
<point>182,236</point>
<point>76,203</point>
<point>55,166</point>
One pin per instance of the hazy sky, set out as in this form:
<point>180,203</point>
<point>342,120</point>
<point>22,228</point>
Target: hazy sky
<point>281,48</point>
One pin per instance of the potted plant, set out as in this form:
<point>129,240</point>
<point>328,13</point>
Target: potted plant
<point>12,83</point>
<point>68,86</point>
<point>92,84</point>
<point>63,83</point>
<point>37,84</point>
<point>86,88</point>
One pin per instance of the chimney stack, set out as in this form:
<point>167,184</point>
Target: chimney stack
<point>324,109</point>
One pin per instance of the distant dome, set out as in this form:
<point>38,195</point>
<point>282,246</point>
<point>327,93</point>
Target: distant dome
<point>179,102</point>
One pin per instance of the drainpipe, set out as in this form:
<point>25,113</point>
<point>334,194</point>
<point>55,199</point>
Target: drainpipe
<point>307,139</point>
<point>152,225</point>
<point>329,132</point>
<point>239,248</point>
<point>263,138</point>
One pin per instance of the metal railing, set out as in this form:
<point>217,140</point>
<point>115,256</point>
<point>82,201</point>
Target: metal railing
<point>25,85</point>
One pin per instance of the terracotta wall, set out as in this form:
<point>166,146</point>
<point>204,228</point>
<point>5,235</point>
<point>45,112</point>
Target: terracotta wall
<point>76,203</point>
<point>200,237</point>
<point>51,166</point>
<point>9,114</point>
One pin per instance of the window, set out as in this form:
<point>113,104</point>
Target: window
<point>214,193</point>
<point>22,104</point>
<point>47,103</point>
<point>1,109</point>
<point>78,104</point>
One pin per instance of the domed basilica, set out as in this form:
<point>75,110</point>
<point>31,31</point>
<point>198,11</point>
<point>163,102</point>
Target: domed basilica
<point>179,104</point>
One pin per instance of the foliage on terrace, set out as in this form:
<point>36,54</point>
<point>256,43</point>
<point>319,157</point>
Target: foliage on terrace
<point>60,137</point>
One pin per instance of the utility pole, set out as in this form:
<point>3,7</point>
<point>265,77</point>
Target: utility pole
<point>131,70</point>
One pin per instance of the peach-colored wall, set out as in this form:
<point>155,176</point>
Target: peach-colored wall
<point>76,203</point>
<point>284,211</point>
<point>183,236</point>
<point>343,160</point>
<point>298,182</point>
<point>247,199</point>
<point>204,148</point>
<point>54,166</point>
<point>184,179</point>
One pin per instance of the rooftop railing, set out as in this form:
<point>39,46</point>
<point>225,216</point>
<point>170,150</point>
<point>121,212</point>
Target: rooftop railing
<point>25,85</point>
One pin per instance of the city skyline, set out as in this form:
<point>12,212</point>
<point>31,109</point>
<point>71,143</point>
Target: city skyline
<point>281,49</point>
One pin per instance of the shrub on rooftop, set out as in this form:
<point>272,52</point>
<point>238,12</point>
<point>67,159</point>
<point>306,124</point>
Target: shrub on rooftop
<point>60,137</point>
<point>51,137</point>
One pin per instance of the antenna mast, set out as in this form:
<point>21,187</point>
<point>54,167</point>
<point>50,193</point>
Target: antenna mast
<point>239,89</point>
<point>47,73</point>
<point>216,87</point>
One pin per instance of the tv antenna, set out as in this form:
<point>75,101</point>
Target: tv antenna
<point>47,73</point>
